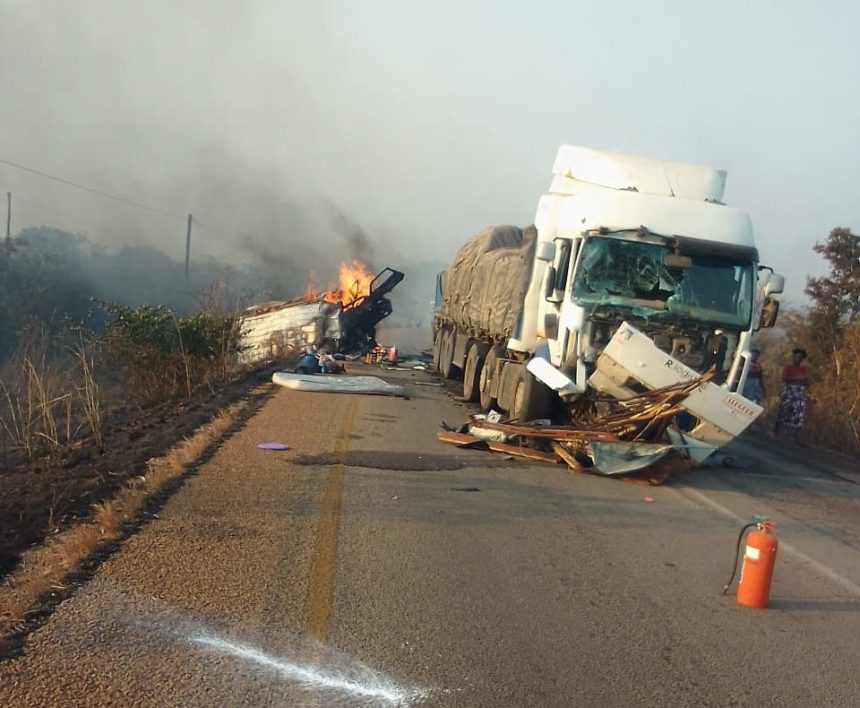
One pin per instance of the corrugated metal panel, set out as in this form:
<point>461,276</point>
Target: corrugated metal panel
<point>289,328</point>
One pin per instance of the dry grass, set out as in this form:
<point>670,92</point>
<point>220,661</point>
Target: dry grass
<point>88,394</point>
<point>47,567</point>
<point>45,403</point>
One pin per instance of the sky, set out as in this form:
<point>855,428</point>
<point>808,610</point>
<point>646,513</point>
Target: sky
<point>289,128</point>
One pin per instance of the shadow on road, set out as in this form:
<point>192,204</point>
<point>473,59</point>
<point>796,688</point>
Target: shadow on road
<point>816,604</point>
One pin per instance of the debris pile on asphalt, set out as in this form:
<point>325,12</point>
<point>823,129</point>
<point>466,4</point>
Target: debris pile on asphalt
<point>627,439</point>
<point>316,363</point>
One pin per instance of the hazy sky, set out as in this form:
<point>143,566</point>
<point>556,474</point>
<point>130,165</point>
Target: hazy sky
<point>423,122</point>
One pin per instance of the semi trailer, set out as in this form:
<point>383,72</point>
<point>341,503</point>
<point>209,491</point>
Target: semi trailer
<point>634,276</point>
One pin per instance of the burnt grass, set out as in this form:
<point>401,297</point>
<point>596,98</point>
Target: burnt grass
<point>39,498</point>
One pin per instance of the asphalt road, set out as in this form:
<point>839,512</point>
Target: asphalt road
<point>372,565</point>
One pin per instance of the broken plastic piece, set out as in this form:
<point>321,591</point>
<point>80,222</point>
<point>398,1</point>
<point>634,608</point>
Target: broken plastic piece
<point>547,374</point>
<point>485,434</point>
<point>273,446</point>
<point>612,458</point>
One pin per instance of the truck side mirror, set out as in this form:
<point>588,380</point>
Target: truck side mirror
<point>545,251</point>
<point>775,284</point>
<point>769,311</point>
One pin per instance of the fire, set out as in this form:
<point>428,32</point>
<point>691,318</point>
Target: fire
<point>353,282</point>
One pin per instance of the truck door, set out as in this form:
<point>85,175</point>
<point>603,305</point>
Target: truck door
<point>570,317</point>
<point>556,293</point>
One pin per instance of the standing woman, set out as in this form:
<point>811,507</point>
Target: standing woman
<point>793,399</point>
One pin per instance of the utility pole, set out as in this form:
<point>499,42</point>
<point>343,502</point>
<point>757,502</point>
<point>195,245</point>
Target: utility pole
<point>7,255</point>
<point>188,249</point>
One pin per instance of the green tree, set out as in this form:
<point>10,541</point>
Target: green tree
<point>836,296</point>
<point>831,334</point>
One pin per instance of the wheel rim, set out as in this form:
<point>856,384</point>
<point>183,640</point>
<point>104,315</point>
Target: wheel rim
<point>469,377</point>
<point>519,399</point>
<point>484,379</point>
<point>445,359</point>
<point>472,374</point>
<point>437,352</point>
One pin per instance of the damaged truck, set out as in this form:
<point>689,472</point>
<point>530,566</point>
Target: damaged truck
<point>634,277</point>
<point>337,321</point>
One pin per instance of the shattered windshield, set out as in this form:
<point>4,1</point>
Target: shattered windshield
<point>633,274</point>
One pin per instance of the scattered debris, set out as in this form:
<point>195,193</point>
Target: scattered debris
<point>415,364</point>
<point>648,500</point>
<point>375,356</point>
<point>623,457</point>
<point>273,446</point>
<point>338,384</point>
<point>465,489</point>
<point>624,440</point>
<point>488,433</point>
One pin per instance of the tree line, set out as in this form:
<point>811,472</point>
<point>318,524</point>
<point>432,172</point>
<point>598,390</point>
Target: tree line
<point>828,329</point>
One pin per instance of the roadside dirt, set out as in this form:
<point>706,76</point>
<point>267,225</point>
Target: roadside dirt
<point>40,498</point>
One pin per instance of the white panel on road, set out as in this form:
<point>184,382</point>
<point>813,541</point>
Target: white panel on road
<point>323,383</point>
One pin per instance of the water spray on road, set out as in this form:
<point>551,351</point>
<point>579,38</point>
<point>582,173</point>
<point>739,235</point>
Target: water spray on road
<point>355,681</point>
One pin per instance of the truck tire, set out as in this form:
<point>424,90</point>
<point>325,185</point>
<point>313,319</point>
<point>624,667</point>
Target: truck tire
<point>472,371</point>
<point>531,398</point>
<point>485,380</point>
<point>446,355</point>
<point>437,351</point>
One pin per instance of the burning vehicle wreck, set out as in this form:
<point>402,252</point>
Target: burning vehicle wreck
<point>343,319</point>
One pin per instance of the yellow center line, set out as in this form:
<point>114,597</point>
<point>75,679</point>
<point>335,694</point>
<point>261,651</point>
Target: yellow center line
<point>319,602</point>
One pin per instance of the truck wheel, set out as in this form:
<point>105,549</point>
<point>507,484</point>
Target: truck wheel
<point>531,398</point>
<point>437,351</point>
<point>446,355</point>
<point>472,372</point>
<point>485,380</point>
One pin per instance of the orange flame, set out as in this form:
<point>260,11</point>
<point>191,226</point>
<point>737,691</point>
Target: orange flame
<point>353,282</point>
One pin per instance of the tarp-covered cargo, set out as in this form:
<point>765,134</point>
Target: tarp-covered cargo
<point>484,289</point>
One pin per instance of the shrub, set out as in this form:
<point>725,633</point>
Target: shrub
<point>164,354</point>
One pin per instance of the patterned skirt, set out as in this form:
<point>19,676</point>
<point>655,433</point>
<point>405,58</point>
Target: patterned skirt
<point>792,406</point>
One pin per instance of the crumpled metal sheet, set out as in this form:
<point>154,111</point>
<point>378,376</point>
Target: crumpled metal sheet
<point>273,330</point>
<point>616,458</point>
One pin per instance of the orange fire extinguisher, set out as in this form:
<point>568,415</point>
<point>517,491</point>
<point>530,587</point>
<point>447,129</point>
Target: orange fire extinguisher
<point>757,568</point>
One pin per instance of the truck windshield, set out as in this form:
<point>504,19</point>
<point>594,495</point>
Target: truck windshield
<point>632,274</point>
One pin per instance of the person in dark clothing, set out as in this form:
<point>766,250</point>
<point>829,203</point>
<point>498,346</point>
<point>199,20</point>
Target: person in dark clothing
<point>793,400</point>
<point>754,386</point>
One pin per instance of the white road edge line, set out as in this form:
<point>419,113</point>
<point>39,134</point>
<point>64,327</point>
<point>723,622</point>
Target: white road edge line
<point>837,578</point>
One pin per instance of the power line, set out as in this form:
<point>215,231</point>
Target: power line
<point>80,218</point>
<point>93,190</point>
<point>87,222</point>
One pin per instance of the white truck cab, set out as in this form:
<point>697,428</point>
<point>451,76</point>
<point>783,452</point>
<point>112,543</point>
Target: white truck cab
<point>643,253</point>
